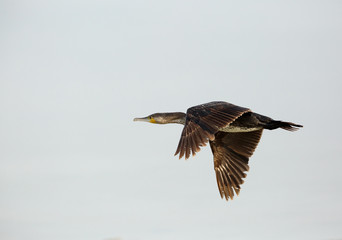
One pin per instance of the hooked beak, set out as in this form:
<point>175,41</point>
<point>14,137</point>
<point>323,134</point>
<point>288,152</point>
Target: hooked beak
<point>145,119</point>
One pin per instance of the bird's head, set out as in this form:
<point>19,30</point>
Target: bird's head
<point>163,118</point>
<point>153,118</point>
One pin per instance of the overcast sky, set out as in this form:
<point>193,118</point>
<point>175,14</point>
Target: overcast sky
<point>74,74</point>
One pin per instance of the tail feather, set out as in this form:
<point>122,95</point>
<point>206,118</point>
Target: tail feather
<point>289,126</point>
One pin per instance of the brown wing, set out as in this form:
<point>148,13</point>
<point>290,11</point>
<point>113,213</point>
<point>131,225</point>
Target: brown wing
<point>231,153</point>
<point>203,122</point>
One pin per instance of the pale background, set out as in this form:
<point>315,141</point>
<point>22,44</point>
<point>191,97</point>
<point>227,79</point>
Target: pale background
<point>75,73</point>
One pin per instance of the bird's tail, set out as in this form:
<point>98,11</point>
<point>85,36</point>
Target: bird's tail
<point>289,126</point>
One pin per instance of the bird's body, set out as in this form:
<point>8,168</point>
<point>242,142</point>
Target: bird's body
<point>232,131</point>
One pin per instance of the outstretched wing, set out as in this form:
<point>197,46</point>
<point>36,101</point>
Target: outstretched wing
<point>231,153</point>
<point>202,122</point>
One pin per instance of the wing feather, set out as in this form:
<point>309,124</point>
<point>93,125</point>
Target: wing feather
<point>203,122</point>
<point>231,154</point>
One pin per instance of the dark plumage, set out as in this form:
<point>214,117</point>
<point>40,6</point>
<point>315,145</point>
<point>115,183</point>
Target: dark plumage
<point>232,131</point>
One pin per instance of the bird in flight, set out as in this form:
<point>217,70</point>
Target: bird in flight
<point>233,133</point>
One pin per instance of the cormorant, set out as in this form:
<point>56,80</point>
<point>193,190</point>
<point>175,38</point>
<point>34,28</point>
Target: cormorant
<point>233,133</point>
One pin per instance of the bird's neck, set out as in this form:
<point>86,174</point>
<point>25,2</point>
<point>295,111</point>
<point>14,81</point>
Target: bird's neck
<point>179,121</point>
<point>176,117</point>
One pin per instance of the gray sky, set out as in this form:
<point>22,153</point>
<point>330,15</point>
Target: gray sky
<point>75,73</point>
